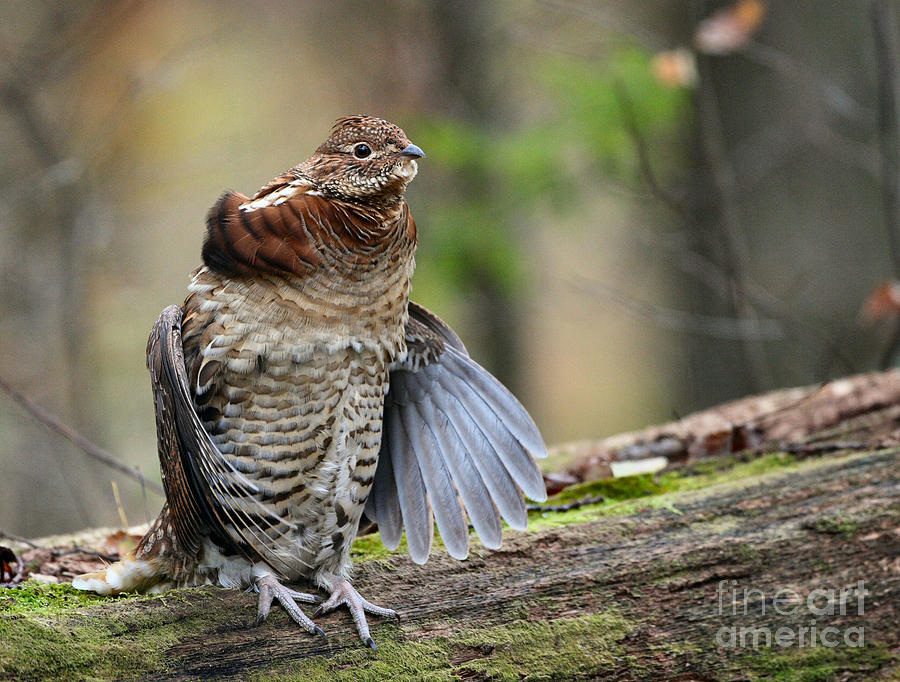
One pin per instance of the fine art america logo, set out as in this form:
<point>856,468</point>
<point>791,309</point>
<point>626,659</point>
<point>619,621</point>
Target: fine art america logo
<point>812,618</point>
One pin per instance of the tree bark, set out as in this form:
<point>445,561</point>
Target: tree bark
<point>712,571</point>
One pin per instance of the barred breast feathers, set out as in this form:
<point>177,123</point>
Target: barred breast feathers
<point>298,260</point>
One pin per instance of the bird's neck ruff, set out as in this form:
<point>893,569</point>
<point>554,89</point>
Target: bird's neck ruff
<point>293,231</point>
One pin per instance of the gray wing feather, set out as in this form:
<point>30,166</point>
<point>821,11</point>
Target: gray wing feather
<point>503,421</point>
<point>411,494</point>
<point>455,442</point>
<point>475,496</point>
<point>499,400</point>
<point>490,467</point>
<point>383,503</point>
<point>444,503</point>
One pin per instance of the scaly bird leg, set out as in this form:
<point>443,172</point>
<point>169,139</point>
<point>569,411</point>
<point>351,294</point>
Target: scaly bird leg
<point>270,589</point>
<point>343,593</point>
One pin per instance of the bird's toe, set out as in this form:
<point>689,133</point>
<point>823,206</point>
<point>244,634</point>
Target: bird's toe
<point>270,589</point>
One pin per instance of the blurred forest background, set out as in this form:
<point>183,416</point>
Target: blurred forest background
<point>630,209</point>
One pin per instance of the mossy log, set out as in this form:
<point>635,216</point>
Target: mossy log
<point>751,565</point>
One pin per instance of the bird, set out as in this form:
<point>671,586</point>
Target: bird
<point>299,390</point>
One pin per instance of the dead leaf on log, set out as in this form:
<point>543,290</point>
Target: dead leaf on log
<point>119,543</point>
<point>60,563</point>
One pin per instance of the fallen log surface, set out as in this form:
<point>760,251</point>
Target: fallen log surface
<point>754,564</point>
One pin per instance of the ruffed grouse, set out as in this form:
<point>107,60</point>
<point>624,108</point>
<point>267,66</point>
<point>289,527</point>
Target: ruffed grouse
<point>298,388</point>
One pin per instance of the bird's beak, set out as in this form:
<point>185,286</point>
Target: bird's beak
<point>413,152</point>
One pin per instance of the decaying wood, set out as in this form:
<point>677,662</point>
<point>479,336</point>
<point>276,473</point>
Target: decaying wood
<point>648,588</point>
<point>855,412</point>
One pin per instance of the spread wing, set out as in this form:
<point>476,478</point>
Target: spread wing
<point>205,493</point>
<point>455,443</point>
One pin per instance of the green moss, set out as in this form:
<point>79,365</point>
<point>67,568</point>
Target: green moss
<point>719,470</point>
<point>631,494</point>
<point>35,597</point>
<point>369,548</point>
<point>559,649</point>
<point>815,664</point>
<point>544,520</point>
<point>625,488</point>
<point>395,660</point>
<point>835,525</point>
<point>56,632</point>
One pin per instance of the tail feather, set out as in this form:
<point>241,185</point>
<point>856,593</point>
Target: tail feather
<point>152,563</point>
<point>129,574</point>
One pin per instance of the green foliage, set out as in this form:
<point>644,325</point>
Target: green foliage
<point>490,180</point>
<point>598,106</point>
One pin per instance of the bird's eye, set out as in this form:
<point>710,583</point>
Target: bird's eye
<point>361,150</point>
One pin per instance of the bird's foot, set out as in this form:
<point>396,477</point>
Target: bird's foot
<point>270,589</point>
<point>343,593</point>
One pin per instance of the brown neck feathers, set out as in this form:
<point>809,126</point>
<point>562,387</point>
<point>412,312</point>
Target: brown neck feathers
<point>293,236</point>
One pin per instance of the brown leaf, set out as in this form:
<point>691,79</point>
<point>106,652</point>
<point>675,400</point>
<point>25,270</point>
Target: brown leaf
<point>60,563</point>
<point>556,481</point>
<point>119,543</point>
<point>883,302</point>
<point>730,28</point>
<point>675,68</point>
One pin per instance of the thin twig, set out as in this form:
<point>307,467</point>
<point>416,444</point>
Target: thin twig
<point>73,436</point>
<point>123,519</point>
<point>19,539</point>
<point>583,502</point>
<point>78,549</point>
<point>656,188</point>
<point>713,326</point>
<point>832,97</point>
<point>58,552</point>
<point>714,277</point>
<point>821,448</point>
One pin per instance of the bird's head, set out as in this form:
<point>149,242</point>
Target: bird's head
<point>364,159</point>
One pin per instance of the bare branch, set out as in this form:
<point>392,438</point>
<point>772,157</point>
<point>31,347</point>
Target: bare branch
<point>717,280</point>
<point>680,320</point>
<point>19,539</point>
<point>76,438</point>
<point>832,97</point>
<point>656,188</point>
